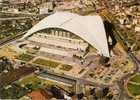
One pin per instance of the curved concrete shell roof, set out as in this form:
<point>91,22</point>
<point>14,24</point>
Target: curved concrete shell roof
<point>89,28</point>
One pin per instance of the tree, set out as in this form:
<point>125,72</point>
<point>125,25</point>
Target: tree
<point>5,64</point>
<point>13,92</point>
<point>57,93</point>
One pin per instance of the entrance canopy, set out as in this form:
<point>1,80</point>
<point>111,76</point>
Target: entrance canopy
<point>89,28</point>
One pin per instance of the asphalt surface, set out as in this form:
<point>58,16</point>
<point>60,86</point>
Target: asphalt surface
<point>11,39</point>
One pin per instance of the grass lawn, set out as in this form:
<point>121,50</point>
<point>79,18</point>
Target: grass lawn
<point>136,78</point>
<point>47,63</point>
<point>25,57</point>
<point>5,51</point>
<point>134,89</point>
<point>33,82</point>
<point>29,79</point>
<point>66,67</point>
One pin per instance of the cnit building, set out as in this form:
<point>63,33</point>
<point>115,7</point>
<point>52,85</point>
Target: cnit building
<point>68,34</point>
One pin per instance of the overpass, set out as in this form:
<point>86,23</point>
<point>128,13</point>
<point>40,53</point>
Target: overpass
<point>64,78</point>
<point>67,80</point>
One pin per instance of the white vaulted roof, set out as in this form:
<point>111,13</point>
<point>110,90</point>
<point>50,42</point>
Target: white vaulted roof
<point>89,28</point>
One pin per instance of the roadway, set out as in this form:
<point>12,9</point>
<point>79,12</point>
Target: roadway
<point>25,14</point>
<point>123,41</point>
<point>120,83</point>
<point>83,81</point>
<point>58,78</point>
<point>69,79</point>
<point>123,95</point>
<point>129,52</point>
<point>14,18</point>
<point>14,74</point>
<point>52,75</point>
<point>11,39</point>
<point>20,13</point>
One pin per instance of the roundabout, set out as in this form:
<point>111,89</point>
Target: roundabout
<point>132,86</point>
